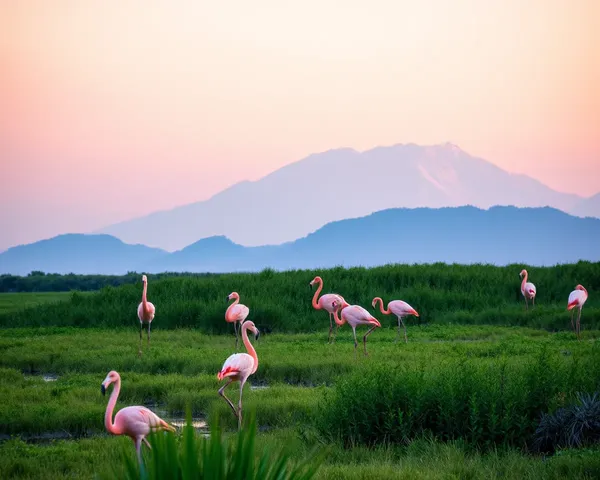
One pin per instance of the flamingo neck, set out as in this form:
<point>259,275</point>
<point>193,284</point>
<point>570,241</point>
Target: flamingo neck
<point>144,299</point>
<point>112,401</point>
<point>315,303</point>
<point>337,318</point>
<point>380,301</point>
<point>524,281</point>
<point>249,347</point>
<point>584,291</point>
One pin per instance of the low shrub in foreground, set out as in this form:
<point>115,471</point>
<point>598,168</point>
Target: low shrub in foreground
<point>484,404</point>
<point>194,456</point>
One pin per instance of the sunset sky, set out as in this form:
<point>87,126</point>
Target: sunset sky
<point>110,110</point>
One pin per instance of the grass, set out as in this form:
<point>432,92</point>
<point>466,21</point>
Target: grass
<point>281,301</point>
<point>301,372</point>
<point>13,302</point>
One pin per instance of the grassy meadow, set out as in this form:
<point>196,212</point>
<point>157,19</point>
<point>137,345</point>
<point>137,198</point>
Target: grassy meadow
<point>464,398</point>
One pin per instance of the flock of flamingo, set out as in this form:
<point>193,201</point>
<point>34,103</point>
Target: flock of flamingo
<point>138,421</point>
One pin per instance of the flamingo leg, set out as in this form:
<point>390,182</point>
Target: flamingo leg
<point>146,442</point>
<point>355,341</point>
<point>240,405</point>
<point>401,322</point>
<point>330,327</point>
<point>235,329</point>
<point>579,325</point>
<point>222,393</point>
<point>140,347</point>
<point>533,301</point>
<point>138,449</point>
<point>148,333</point>
<point>365,337</point>
<point>572,324</point>
<point>526,303</point>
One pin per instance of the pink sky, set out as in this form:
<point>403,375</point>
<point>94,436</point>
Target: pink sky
<point>110,110</point>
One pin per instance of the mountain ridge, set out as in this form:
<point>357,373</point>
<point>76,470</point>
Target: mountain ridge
<point>499,235</point>
<point>337,184</point>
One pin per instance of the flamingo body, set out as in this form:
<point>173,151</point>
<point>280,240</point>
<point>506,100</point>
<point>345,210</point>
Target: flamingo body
<point>325,302</point>
<point>135,421</point>
<point>238,367</point>
<point>399,308</point>
<point>355,315</point>
<point>236,312</point>
<point>528,289</point>
<point>145,312</point>
<point>576,300</point>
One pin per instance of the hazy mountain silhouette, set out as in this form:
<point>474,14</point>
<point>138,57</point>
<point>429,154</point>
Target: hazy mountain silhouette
<point>588,207</point>
<point>77,253</point>
<point>337,184</point>
<point>500,235</point>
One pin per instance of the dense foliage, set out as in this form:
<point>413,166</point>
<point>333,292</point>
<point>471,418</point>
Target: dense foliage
<point>484,404</point>
<point>53,282</point>
<point>476,294</point>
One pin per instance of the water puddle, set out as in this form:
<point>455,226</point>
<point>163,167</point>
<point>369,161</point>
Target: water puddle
<point>47,377</point>
<point>258,387</point>
<point>48,437</point>
<point>179,421</point>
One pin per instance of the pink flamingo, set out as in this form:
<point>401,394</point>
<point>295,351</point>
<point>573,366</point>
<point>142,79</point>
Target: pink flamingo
<point>399,308</point>
<point>145,311</point>
<point>355,315</point>
<point>239,366</point>
<point>136,422</point>
<point>527,288</point>
<point>326,302</point>
<point>236,312</point>
<point>576,300</point>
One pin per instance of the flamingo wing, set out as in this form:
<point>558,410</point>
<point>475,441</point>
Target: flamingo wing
<point>149,316</point>
<point>138,420</point>
<point>326,301</point>
<point>576,298</point>
<point>401,308</point>
<point>356,313</point>
<point>236,365</point>
<point>238,313</point>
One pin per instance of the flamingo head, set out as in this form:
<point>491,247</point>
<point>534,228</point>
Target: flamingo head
<point>337,304</point>
<point>375,300</point>
<point>523,272</point>
<point>144,278</point>
<point>317,279</point>
<point>233,295</point>
<point>249,324</point>
<point>112,377</point>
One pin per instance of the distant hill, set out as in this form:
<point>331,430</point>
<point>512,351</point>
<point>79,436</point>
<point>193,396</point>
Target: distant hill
<point>338,184</point>
<point>77,253</point>
<point>500,235</point>
<point>588,207</point>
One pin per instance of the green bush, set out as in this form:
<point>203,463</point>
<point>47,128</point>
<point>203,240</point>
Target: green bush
<point>485,405</point>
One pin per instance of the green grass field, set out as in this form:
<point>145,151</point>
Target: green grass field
<point>13,302</point>
<point>461,399</point>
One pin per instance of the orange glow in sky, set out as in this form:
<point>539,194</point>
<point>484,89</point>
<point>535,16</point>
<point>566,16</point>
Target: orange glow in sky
<point>110,110</point>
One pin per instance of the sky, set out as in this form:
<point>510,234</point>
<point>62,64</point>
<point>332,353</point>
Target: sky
<point>112,110</point>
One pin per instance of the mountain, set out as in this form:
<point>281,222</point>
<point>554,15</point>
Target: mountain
<point>588,207</point>
<point>301,197</point>
<point>77,253</point>
<point>500,235</point>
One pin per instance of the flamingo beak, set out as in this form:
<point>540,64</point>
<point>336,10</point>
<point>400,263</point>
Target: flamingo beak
<point>103,389</point>
<point>256,335</point>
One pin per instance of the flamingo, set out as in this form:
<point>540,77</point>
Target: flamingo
<point>527,288</point>
<point>236,312</point>
<point>239,366</point>
<point>576,300</point>
<point>325,302</point>
<point>355,315</point>
<point>145,311</point>
<point>399,308</point>
<point>136,421</point>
